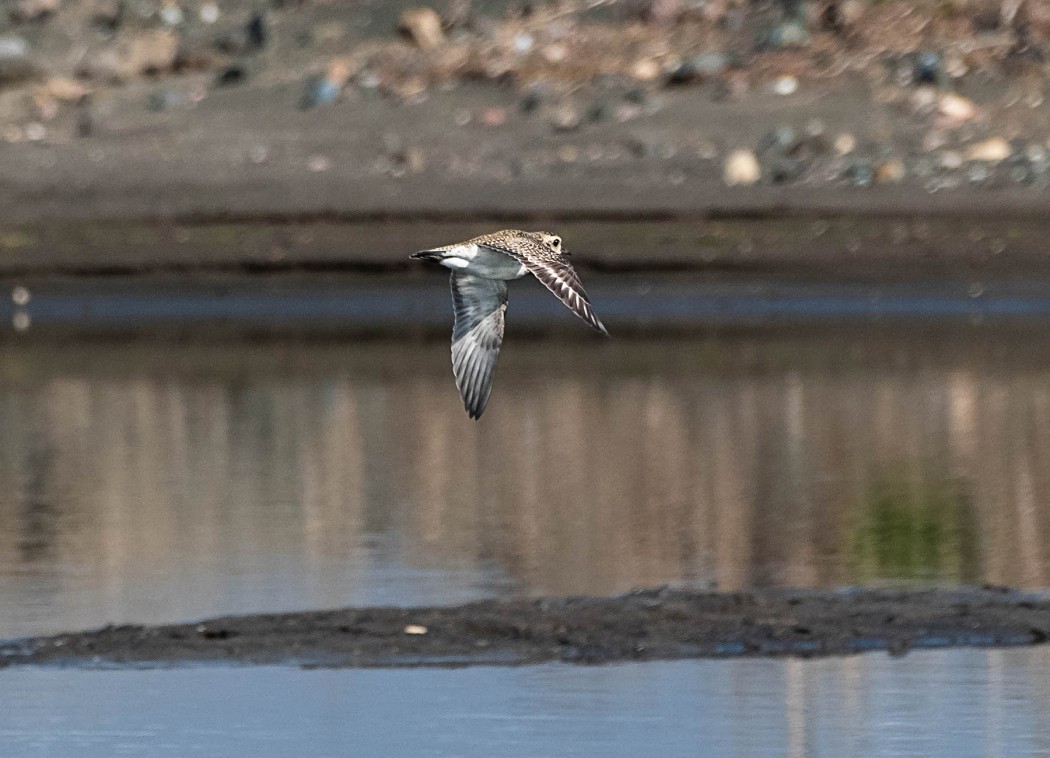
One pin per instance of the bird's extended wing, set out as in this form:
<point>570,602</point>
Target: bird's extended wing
<point>557,275</point>
<point>476,336</point>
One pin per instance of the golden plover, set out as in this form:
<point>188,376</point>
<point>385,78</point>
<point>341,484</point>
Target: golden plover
<point>481,268</point>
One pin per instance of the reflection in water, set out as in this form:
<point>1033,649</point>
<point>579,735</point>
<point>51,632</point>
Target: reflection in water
<point>146,482</point>
<point>955,704</point>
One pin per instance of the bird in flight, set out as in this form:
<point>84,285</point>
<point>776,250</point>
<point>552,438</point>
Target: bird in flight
<point>481,268</point>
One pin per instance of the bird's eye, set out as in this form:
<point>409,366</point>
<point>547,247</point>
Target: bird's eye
<point>556,242</point>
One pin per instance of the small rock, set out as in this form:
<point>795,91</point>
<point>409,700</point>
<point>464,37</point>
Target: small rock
<point>923,100</point>
<point>65,89</point>
<point>415,629</point>
<point>423,27</point>
<point>566,118</point>
<point>20,296</point>
<point>977,174</point>
<point>845,143</point>
<point>523,43</point>
<point>927,68</point>
<point>791,33</point>
<point>698,68</point>
<point>840,15</point>
<point>15,63</point>
<point>209,13</point>
<point>645,70</point>
<point>784,169</point>
<point>934,140</point>
<point>860,174</point>
<point>555,53</point>
<point>323,90</point>
<point>955,109</point>
<point>990,151</point>
<point>255,32</point>
<point>531,101</point>
<point>784,85</point>
<point>741,168</point>
<point>35,131</point>
<point>230,76</point>
<point>601,110</point>
<point>890,172</point>
<point>171,14</point>
<point>951,160</point>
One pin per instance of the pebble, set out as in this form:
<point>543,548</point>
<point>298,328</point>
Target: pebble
<point>742,168</point>
<point>35,131</point>
<point>791,33</point>
<point>891,171</point>
<point>15,63</point>
<point>65,89</point>
<point>566,118</point>
<point>209,13</point>
<point>171,14</point>
<point>230,76</point>
<point>951,159</point>
<point>927,69</point>
<point>423,27</point>
<point>784,85</point>
<point>956,109</point>
<point>699,67</point>
<point>990,151</point>
<point>20,295</point>
<point>415,629</point>
<point>977,174</point>
<point>523,42</point>
<point>845,143</point>
<point>842,14</point>
<point>645,70</point>
<point>860,174</point>
<point>256,32</point>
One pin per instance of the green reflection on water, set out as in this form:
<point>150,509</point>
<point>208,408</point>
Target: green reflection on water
<point>915,530</point>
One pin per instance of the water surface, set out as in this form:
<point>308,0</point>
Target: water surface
<point>954,704</point>
<point>148,481</point>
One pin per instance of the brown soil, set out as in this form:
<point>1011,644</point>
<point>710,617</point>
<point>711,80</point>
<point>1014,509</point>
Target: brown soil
<point>595,117</point>
<point>643,625</point>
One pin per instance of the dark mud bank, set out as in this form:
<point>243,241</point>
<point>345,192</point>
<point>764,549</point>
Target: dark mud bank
<point>644,625</point>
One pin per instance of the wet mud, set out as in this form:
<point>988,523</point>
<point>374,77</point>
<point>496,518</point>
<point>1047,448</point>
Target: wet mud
<point>642,625</point>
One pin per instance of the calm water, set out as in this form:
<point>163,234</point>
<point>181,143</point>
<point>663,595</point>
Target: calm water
<point>151,481</point>
<point>952,704</point>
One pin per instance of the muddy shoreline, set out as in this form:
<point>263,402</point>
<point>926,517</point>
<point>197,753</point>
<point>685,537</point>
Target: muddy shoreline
<point>643,625</point>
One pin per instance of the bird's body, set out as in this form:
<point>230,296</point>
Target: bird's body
<point>480,269</point>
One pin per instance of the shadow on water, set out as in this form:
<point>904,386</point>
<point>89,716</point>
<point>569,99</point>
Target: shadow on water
<point>168,481</point>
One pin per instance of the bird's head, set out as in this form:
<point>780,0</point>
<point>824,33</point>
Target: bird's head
<point>553,241</point>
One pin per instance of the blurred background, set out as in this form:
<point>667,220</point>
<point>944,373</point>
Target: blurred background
<point>816,230</point>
